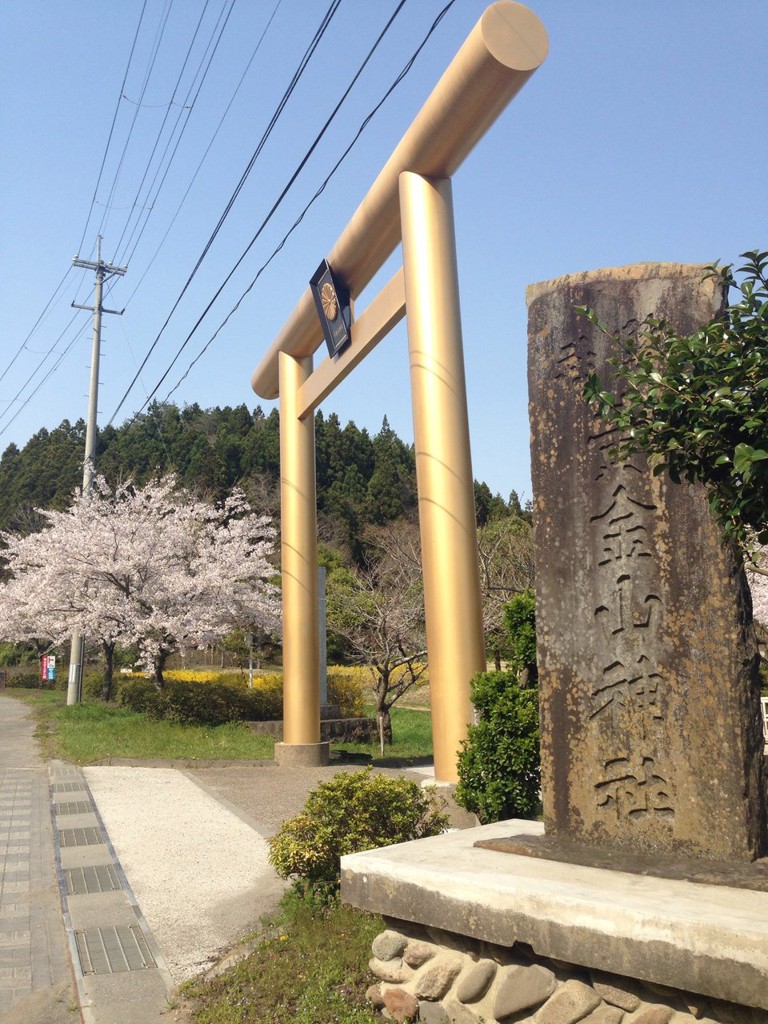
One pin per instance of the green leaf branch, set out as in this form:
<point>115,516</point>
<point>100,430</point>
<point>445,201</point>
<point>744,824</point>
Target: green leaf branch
<point>697,404</point>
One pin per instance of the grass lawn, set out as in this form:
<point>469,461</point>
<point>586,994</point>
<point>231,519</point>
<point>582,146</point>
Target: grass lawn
<point>412,740</point>
<point>311,967</point>
<point>92,731</point>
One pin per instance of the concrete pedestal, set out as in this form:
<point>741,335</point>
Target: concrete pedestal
<point>707,939</point>
<point>302,755</point>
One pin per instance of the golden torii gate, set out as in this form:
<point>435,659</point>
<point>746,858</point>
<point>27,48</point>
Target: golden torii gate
<point>410,201</point>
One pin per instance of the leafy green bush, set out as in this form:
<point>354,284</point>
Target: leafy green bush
<point>201,703</point>
<point>520,620</point>
<point>93,685</point>
<point>698,403</point>
<point>25,680</point>
<point>17,654</point>
<point>352,812</point>
<point>499,767</point>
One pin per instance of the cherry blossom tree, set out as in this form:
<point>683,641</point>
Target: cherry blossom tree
<point>153,566</point>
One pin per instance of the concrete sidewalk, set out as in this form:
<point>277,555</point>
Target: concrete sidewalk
<point>36,981</point>
<point>73,943</point>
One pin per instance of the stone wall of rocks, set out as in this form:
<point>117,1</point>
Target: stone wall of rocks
<point>436,977</point>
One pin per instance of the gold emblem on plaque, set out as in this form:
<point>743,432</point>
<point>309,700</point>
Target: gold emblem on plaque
<point>328,299</point>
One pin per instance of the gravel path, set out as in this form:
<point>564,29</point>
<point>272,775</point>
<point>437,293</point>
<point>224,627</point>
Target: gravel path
<point>192,844</point>
<point>199,873</point>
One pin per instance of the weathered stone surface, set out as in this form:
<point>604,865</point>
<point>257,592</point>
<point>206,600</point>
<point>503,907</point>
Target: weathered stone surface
<point>615,990</point>
<point>373,995</point>
<point>390,970</point>
<point>651,1015</point>
<point>730,1013</point>
<point>417,952</point>
<point>388,945</point>
<point>401,1004</point>
<point>696,1005</point>
<point>458,1013</point>
<point>476,981</point>
<point>572,1001</point>
<point>521,988</point>
<point>450,940</point>
<point>604,1015</point>
<point>433,982</point>
<point>679,1017</point>
<point>432,1013</point>
<point>649,698</point>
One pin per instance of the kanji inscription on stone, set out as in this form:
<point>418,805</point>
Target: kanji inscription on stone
<point>647,663</point>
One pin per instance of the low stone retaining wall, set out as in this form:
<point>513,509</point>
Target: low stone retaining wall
<point>476,935</point>
<point>346,730</point>
<point>437,977</point>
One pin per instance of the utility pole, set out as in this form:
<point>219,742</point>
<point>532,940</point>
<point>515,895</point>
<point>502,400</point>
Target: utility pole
<point>103,272</point>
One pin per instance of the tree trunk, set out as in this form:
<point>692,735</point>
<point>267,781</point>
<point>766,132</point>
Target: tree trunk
<point>382,708</point>
<point>497,660</point>
<point>159,665</point>
<point>109,667</point>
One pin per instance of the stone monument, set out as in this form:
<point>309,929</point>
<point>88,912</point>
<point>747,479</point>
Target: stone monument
<point>651,743</point>
<point>650,724</point>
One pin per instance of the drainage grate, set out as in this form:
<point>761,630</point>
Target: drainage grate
<point>113,950</point>
<point>74,807</point>
<point>80,836</point>
<point>67,787</point>
<point>99,878</point>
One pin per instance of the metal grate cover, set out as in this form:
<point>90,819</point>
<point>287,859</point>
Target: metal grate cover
<point>113,950</point>
<point>90,836</point>
<point>99,878</point>
<point>67,787</point>
<point>74,807</point>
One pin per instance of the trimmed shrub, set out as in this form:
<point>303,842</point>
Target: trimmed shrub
<point>499,766</point>
<point>26,680</point>
<point>93,685</point>
<point>201,704</point>
<point>138,695</point>
<point>352,812</point>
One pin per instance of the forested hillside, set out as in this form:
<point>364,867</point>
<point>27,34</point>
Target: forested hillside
<point>361,480</point>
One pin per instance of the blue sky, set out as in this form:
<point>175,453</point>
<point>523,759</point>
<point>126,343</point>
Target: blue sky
<point>643,137</point>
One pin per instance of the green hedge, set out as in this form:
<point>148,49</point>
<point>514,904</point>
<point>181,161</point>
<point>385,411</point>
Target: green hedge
<point>200,703</point>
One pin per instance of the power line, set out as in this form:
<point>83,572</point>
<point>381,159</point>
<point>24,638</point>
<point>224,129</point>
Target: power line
<point>148,74</point>
<point>112,127</point>
<point>203,158</point>
<point>265,135</point>
<point>168,106</point>
<point>48,375</point>
<point>37,322</point>
<point>407,67</point>
<point>187,108</point>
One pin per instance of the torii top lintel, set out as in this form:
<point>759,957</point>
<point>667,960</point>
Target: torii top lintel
<point>500,54</point>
